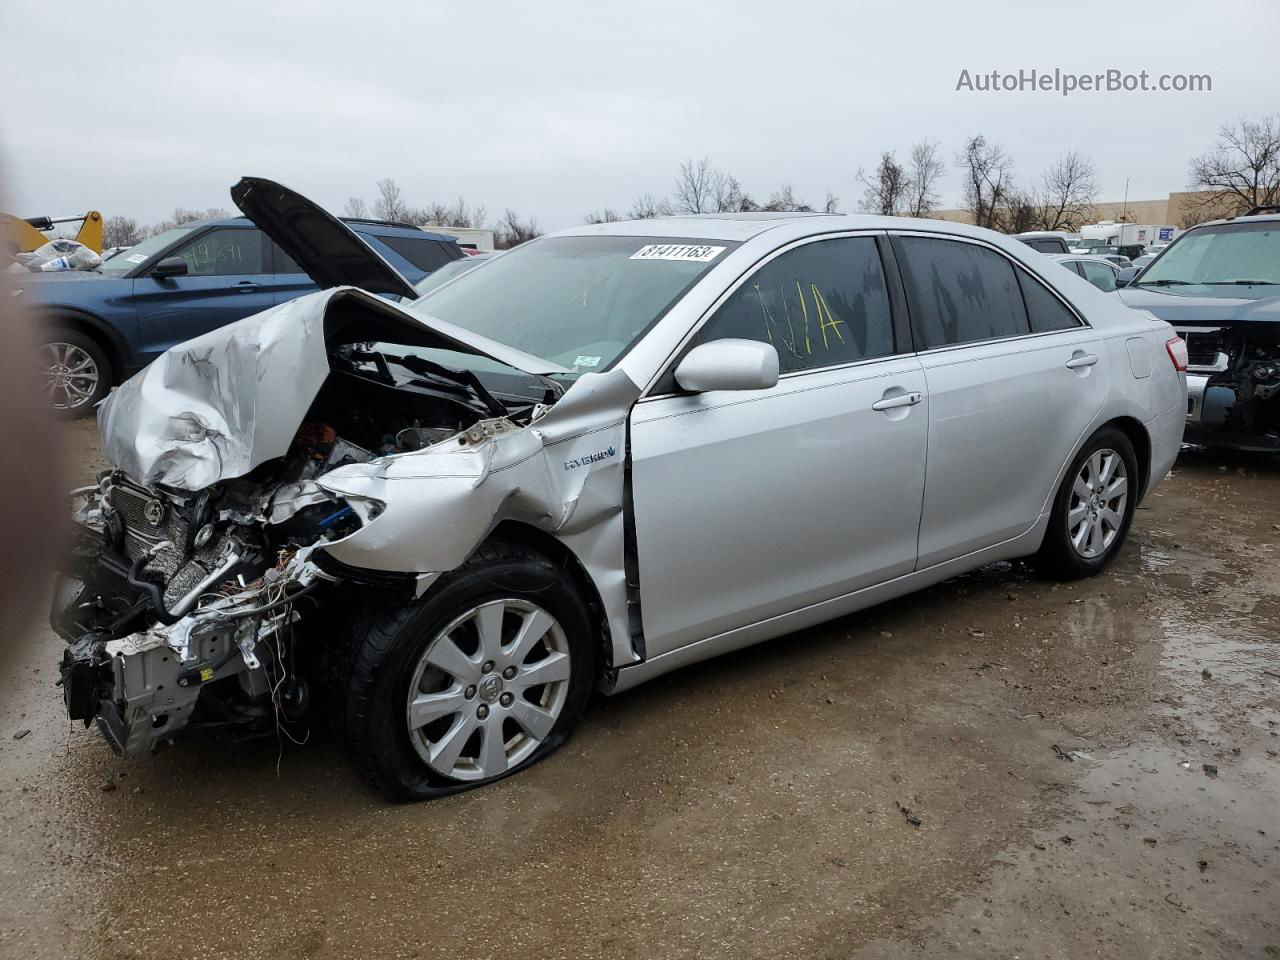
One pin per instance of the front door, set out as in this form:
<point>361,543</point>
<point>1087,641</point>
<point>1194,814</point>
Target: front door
<point>228,278</point>
<point>749,505</point>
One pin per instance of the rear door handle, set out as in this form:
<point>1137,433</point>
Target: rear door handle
<point>901,400</point>
<point>1082,360</point>
<point>247,286</point>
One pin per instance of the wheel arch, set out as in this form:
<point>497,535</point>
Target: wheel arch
<point>1132,428</point>
<point>530,536</point>
<point>70,318</point>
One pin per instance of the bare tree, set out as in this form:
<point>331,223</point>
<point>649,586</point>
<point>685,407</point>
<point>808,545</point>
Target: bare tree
<point>511,231</point>
<point>924,170</point>
<point>885,187</point>
<point>120,232</point>
<point>1018,213</point>
<point>458,214</point>
<point>784,199</point>
<point>987,172</point>
<point>607,215</point>
<point>699,187</point>
<point>1067,193</point>
<point>182,216</point>
<point>355,208</point>
<point>832,203</point>
<point>1243,168</point>
<point>389,205</point>
<point>647,206</point>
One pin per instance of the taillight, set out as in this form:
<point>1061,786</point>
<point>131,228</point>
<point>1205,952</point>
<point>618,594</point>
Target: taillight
<point>1177,348</point>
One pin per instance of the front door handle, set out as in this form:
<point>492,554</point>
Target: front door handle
<point>901,400</point>
<point>1079,360</point>
<point>247,286</point>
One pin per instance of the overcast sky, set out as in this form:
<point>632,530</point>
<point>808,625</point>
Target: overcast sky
<point>555,108</point>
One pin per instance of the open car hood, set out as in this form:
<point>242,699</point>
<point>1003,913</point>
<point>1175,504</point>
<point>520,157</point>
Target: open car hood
<point>327,249</point>
<point>217,406</point>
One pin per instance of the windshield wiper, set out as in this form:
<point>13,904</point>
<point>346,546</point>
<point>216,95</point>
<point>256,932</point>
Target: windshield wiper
<point>1164,283</point>
<point>438,372</point>
<point>1244,283</point>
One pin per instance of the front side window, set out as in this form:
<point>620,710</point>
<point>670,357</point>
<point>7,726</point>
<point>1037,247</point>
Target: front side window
<point>960,292</point>
<point>819,304</point>
<point>1100,275</point>
<point>423,252</point>
<point>224,252</point>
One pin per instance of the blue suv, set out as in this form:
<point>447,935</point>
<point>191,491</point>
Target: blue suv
<point>96,328</point>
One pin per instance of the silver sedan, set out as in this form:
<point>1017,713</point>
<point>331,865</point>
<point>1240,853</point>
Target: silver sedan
<point>606,454</point>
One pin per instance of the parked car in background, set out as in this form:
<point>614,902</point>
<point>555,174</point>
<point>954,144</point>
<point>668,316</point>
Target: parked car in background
<point>1047,241</point>
<point>1218,283</point>
<point>602,455</point>
<point>96,328</point>
<point>1143,260</point>
<point>450,271</point>
<point>1099,271</point>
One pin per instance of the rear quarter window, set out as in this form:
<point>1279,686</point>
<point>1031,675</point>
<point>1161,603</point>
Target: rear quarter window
<point>1045,311</point>
<point>423,252</point>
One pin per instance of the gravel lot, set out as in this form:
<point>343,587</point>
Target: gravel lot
<point>996,767</point>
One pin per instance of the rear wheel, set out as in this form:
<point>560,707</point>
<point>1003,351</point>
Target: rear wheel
<point>77,373</point>
<point>485,675</point>
<point>1093,508</point>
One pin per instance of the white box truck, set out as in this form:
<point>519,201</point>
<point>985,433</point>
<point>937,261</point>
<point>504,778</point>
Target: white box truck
<point>1109,233</point>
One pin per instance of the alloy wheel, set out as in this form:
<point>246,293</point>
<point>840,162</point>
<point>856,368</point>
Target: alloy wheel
<point>1098,498</point>
<point>71,375</point>
<point>488,690</point>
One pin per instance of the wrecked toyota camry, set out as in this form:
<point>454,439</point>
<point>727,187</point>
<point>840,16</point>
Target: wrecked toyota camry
<point>591,460</point>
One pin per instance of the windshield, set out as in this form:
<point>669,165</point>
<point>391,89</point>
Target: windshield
<point>442,275</point>
<point>140,253</point>
<point>580,302</point>
<point>1232,254</point>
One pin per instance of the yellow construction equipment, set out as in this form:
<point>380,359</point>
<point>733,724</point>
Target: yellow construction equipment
<point>25,232</point>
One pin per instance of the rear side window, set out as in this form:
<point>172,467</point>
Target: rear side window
<point>960,292</point>
<point>1046,311</point>
<point>1100,275</point>
<point>424,253</point>
<point>819,304</point>
<point>1047,245</point>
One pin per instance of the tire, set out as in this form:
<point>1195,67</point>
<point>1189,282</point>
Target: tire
<point>77,370</point>
<point>393,648</point>
<point>1084,535</point>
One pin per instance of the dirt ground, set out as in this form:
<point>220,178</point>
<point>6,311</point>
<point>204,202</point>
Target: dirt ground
<point>996,767</point>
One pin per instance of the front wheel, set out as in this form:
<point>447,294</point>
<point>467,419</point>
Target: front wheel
<point>77,373</point>
<point>484,676</point>
<point>1093,508</point>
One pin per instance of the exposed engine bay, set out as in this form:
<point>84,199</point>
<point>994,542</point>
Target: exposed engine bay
<point>187,604</point>
<point>1241,396</point>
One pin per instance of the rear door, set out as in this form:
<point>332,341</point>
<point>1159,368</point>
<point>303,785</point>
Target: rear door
<point>1013,378</point>
<point>752,504</point>
<point>290,280</point>
<point>228,278</point>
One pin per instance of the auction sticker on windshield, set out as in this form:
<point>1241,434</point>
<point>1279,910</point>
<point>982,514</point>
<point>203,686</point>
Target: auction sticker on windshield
<point>690,252</point>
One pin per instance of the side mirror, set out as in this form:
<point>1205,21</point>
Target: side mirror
<point>728,365</point>
<point>169,267</point>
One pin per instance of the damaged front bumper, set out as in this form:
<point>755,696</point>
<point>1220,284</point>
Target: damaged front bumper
<point>1233,386</point>
<point>143,647</point>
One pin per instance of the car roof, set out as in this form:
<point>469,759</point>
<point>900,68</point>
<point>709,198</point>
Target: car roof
<point>375,228</point>
<point>745,226</point>
<point>1243,218</point>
